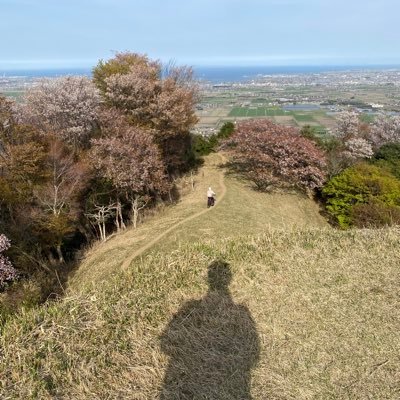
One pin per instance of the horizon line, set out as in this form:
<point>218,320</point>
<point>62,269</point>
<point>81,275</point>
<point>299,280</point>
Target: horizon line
<point>203,65</point>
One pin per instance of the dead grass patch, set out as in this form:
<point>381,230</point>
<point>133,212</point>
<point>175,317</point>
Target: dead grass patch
<point>324,305</point>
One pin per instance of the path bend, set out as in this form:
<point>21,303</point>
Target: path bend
<point>152,242</point>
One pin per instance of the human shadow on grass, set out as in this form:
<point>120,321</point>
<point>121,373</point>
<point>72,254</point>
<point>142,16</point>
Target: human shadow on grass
<point>212,344</point>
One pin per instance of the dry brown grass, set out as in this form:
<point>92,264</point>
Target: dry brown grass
<point>241,211</point>
<point>312,313</point>
<point>324,305</point>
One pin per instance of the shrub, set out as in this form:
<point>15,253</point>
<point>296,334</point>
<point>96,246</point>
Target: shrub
<point>388,152</point>
<point>204,145</point>
<point>360,184</point>
<point>375,215</point>
<point>226,130</point>
<point>388,156</point>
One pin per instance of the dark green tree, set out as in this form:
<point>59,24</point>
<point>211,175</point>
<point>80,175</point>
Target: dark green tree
<point>362,184</point>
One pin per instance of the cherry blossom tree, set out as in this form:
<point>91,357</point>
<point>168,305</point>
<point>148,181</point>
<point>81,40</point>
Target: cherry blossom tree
<point>348,125</point>
<point>356,148</point>
<point>119,64</point>
<point>161,101</point>
<point>64,106</point>
<point>135,92</point>
<point>128,157</point>
<point>7,271</point>
<point>272,155</point>
<point>352,143</point>
<point>385,129</point>
<point>174,108</point>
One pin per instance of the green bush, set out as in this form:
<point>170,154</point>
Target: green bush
<point>388,156</point>
<point>310,132</point>
<point>388,152</point>
<point>360,184</point>
<point>327,143</point>
<point>204,145</point>
<point>226,130</point>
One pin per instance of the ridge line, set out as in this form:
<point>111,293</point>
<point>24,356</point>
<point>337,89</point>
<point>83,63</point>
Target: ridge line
<point>142,249</point>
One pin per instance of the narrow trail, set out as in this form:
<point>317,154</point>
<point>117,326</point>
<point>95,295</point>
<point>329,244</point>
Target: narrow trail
<point>148,245</point>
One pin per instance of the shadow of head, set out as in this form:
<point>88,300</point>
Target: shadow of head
<point>219,275</point>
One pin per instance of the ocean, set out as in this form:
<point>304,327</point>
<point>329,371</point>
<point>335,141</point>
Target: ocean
<point>242,74</point>
<point>220,74</point>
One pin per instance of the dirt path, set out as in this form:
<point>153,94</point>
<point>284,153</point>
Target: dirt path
<point>148,245</point>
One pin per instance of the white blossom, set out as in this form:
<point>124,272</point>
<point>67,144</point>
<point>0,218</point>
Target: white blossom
<point>347,124</point>
<point>65,106</point>
<point>357,147</point>
<point>385,129</point>
<point>7,271</point>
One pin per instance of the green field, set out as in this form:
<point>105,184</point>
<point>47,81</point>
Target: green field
<point>260,101</point>
<point>303,117</point>
<point>15,94</point>
<point>258,112</point>
<point>316,118</point>
<point>367,118</point>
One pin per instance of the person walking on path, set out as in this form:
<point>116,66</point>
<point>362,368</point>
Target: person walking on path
<point>210,197</point>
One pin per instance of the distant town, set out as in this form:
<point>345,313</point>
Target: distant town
<point>295,99</point>
<point>300,99</point>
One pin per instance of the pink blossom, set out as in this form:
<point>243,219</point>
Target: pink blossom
<point>274,155</point>
<point>7,271</point>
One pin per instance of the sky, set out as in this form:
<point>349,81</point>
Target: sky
<point>77,33</point>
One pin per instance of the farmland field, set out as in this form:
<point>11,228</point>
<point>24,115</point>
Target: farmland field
<point>238,112</point>
<point>289,105</point>
<point>257,112</point>
<point>304,117</point>
<point>317,118</point>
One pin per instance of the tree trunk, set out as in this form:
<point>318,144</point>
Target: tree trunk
<point>135,211</point>
<point>104,230</point>
<point>118,217</point>
<point>60,255</point>
<point>192,180</point>
<point>100,230</point>
<point>117,224</point>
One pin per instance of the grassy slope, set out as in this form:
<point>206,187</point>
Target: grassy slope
<point>324,303</point>
<point>241,211</point>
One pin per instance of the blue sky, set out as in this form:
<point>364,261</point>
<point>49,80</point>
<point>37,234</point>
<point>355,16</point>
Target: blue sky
<point>76,33</point>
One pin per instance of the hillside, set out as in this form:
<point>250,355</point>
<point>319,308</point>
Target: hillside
<point>240,210</point>
<point>310,313</point>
